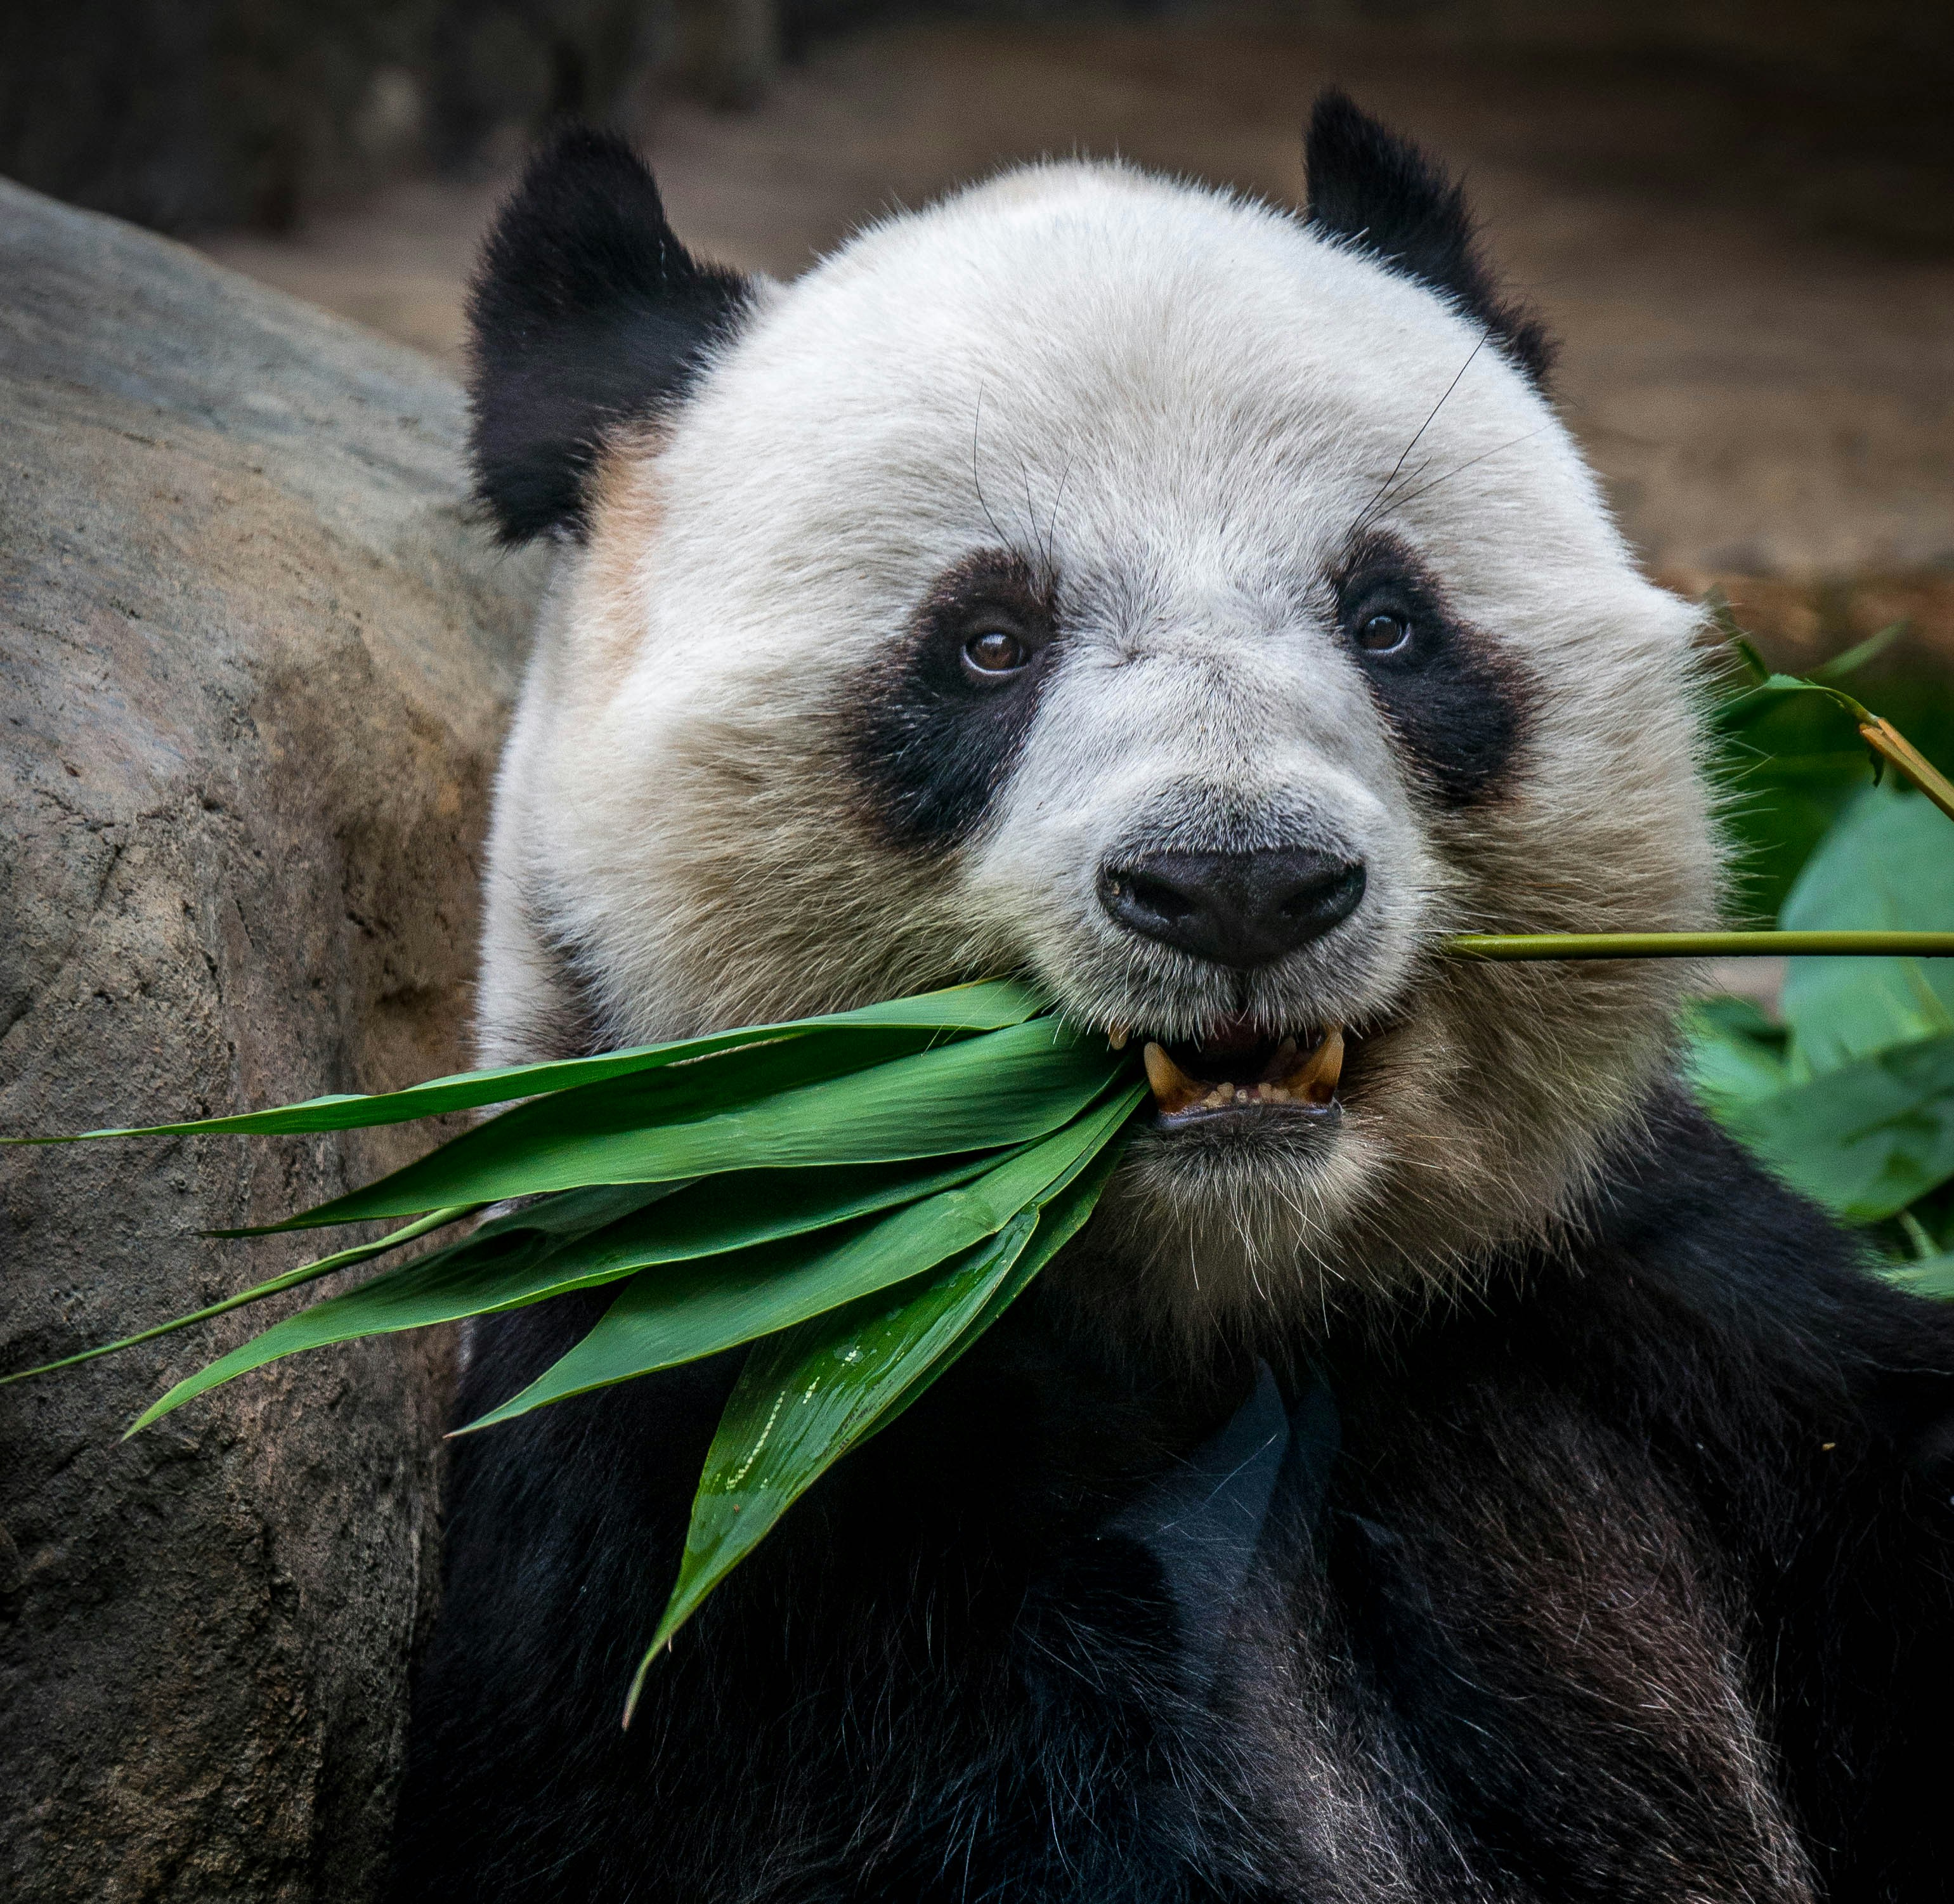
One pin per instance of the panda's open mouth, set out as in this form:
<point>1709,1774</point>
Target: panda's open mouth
<point>1234,1072</point>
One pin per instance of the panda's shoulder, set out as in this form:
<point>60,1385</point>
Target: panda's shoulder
<point>1687,1222</point>
<point>1701,1299</point>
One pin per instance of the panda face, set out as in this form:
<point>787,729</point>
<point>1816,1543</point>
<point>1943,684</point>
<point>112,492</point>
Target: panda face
<point>1120,584</point>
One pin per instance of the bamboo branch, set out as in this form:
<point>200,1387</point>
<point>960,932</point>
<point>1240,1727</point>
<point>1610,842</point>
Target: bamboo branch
<point>1702,945</point>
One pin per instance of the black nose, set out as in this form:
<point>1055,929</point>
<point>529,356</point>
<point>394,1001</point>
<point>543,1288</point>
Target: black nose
<point>1238,909</point>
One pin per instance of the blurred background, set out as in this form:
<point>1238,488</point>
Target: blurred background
<point>1737,215</point>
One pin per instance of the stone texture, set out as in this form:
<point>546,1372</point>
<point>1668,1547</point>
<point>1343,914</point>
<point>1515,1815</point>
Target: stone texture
<point>255,660</point>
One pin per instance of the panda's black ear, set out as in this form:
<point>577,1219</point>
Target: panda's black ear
<point>1381,194</point>
<point>586,313</point>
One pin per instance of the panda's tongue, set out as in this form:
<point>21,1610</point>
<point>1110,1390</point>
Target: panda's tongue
<point>1234,1065</point>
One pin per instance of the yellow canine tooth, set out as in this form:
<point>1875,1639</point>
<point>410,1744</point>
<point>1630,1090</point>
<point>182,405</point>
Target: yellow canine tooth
<point>1316,1079</point>
<point>1173,1087</point>
<point>1116,1036</point>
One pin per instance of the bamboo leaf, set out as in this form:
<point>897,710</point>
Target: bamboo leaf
<point>681,1093</point>
<point>291,1279</point>
<point>1742,710</point>
<point>989,1006</point>
<point>1931,1276</point>
<point>982,1093</point>
<point>1887,862</point>
<point>668,1316</point>
<point>1866,1139</point>
<point>1736,1054</point>
<point>493,1256</point>
<point>1858,656</point>
<point>578,1240</point>
<point>1791,759</point>
<point>809,1395</point>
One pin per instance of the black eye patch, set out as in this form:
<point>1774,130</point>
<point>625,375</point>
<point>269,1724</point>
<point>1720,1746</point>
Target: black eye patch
<point>934,731</point>
<point>1460,708</point>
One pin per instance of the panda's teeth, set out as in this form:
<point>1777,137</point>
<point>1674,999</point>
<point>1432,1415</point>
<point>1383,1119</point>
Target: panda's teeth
<point>1172,1089</point>
<point>1116,1036</point>
<point>1315,1080</point>
<point>1311,1081</point>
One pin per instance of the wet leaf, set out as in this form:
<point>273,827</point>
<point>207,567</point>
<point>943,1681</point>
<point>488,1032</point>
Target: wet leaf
<point>682,1313</point>
<point>809,1395</point>
<point>987,1006</point>
<point>785,1106</point>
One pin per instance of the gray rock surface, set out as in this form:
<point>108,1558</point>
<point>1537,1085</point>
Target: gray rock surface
<point>255,659</point>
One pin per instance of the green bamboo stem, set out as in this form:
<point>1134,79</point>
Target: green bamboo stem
<point>1700,945</point>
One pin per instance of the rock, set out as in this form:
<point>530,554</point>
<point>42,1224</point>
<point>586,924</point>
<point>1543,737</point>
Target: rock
<point>256,656</point>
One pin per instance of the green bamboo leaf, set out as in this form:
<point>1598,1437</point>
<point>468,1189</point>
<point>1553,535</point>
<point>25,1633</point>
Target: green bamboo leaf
<point>1930,1276</point>
<point>1759,670</point>
<point>672,1315</point>
<point>1791,759</point>
<point>982,1093</point>
<point>1743,711</point>
<point>1858,656</point>
<point>744,1208</point>
<point>1887,863</point>
<point>720,1081</point>
<point>291,1279</point>
<point>492,1256</point>
<point>1866,1139</point>
<point>809,1395</point>
<point>989,1006</point>
<point>1736,1054</point>
<point>579,1239</point>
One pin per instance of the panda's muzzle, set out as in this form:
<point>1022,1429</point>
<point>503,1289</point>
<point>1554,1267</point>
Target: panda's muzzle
<point>1241,911</point>
<point>1232,1072</point>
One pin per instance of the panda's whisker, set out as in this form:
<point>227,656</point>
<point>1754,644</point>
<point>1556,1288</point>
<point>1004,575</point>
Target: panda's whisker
<point>1031,509</point>
<point>1057,505</point>
<point>1439,482</point>
<point>1363,515</point>
<point>976,478</point>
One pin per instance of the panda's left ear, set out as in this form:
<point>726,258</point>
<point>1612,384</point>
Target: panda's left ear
<point>1380,194</point>
<point>585,314</point>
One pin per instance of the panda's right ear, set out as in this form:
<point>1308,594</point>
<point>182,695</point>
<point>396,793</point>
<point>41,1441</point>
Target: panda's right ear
<point>586,314</point>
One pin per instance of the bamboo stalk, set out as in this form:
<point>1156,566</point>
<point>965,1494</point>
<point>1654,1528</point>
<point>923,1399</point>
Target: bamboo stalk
<point>1888,744</point>
<point>1702,945</point>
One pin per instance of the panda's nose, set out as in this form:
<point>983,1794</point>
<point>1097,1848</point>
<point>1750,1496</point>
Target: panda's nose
<point>1241,909</point>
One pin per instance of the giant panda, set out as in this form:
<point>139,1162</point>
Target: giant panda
<point>1462,1477</point>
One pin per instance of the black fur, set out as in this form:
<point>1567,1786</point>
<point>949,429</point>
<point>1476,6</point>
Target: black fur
<point>586,313</point>
<point>1459,705</point>
<point>1631,1583</point>
<point>930,741</point>
<point>1381,194</point>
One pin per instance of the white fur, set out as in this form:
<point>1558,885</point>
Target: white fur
<point>1176,403</point>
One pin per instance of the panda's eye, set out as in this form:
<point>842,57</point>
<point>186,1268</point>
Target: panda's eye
<point>1383,633</point>
<point>995,651</point>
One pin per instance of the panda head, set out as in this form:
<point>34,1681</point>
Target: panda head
<point>1194,607</point>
